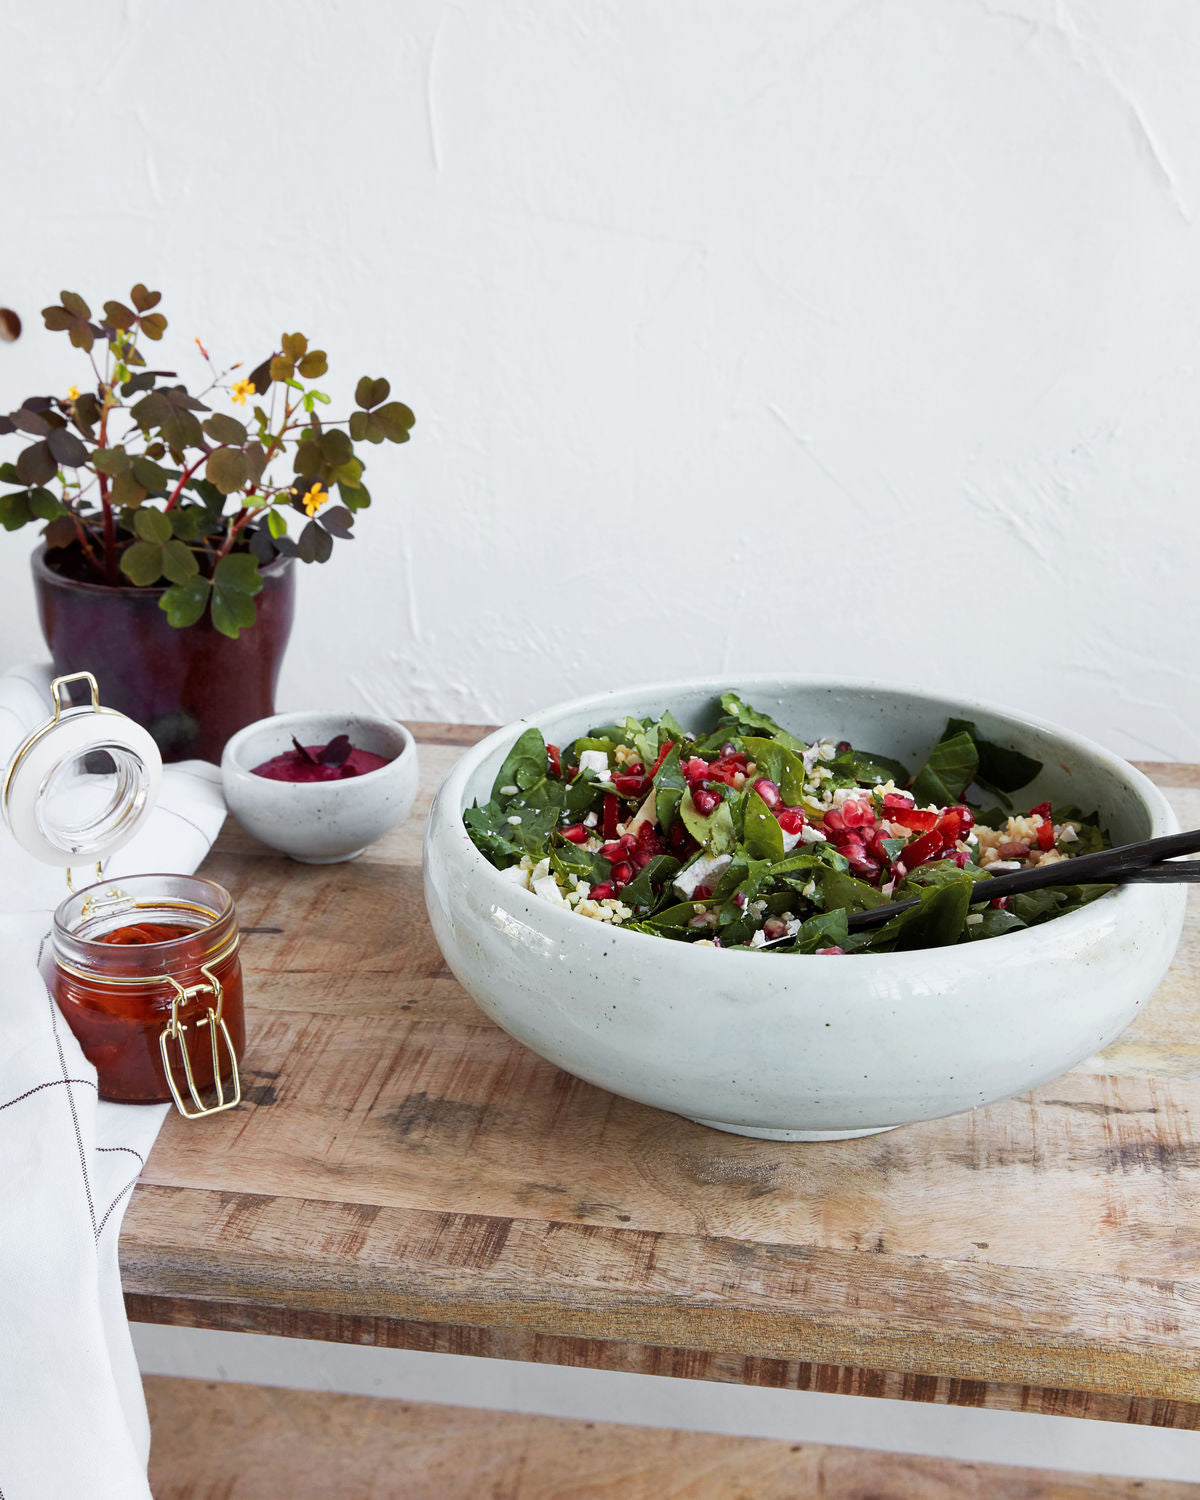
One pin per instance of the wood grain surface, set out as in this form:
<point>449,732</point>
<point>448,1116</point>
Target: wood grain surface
<point>242,1442</point>
<point>403,1173</point>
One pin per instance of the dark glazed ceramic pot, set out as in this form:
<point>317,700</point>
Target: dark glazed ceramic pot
<point>192,688</point>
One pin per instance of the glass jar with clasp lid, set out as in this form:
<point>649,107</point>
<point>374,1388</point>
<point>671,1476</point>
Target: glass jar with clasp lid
<point>146,970</point>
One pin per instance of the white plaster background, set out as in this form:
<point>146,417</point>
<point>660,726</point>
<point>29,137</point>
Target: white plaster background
<point>766,336</point>
<point>859,337</point>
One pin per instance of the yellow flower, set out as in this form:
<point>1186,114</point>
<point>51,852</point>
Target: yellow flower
<point>241,389</point>
<point>73,393</point>
<point>313,501</point>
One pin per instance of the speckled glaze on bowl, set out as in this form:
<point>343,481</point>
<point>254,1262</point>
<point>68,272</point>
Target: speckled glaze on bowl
<point>320,822</point>
<point>799,1046</point>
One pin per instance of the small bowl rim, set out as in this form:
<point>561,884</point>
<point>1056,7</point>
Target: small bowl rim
<point>1128,898</point>
<point>233,767</point>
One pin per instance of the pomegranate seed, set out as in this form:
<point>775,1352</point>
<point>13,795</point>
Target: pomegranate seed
<point>774,927</point>
<point>630,785</point>
<point>613,852</point>
<point>554,760</point>
<point>843,746</point>
<point>856,811</point>
<point>602,892</point>
<point>696,769</point>
<point>1043,809</point>
<point>681,840</point>
<point>704,801</point>
<point>834,949</point>
<point>739,899</point>
<point>769,792</point>
<point>575,833</point>
<point>727,749</point>
<point>898,799</point>
<point>957,857</point>
<point>1012,850</point>
<point>622,874</point>
<point>648,838</point>
<point>864,867</point>
<point>642,858</point>
<point>612,815</point>
<point>966,818</point>
<point>791,819</point>
<point>874,839</point>
<point>702,892</point>
<point>834,820</point>
<point>635,768</point>
<point>852,846</point>
<point>1000,903</point>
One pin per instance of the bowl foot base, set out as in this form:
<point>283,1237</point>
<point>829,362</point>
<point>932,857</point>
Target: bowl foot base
<point>325,859</point>
<point>761,1134</point>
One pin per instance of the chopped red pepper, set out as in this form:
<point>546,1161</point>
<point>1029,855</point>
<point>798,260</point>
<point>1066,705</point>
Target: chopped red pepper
<point>630,785</point>
<point>912,817</point>
<point>554,759</point>
<point>668,746</point>
<point>1045,835</point>
<point>921,849</point>
<point>611,815</point>
<point>947,826</point>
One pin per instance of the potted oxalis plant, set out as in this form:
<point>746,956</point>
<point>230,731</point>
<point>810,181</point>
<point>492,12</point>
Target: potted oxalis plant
<point>170,526</point>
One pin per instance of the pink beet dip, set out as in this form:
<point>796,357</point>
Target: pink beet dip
<point>335,761</point>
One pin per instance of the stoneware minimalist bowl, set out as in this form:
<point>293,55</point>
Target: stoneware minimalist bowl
<point>798,1046</point>
<point>320,822</point>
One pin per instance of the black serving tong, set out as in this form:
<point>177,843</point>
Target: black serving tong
<point>1151,861</point>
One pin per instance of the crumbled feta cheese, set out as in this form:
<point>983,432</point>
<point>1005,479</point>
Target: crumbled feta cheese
<point>706,870</point>
<point>811,835</point>
<point>974,918</point>
<point>596,760</point>
<point>1068,833</point>
<point>517,875</point>
<point>790,840</point>
<point>547,889</point>
<point>591,821</point>
<point>509,791</point>
<point>515,819</point>
<point>759,939</point>
<point>1005,864</point>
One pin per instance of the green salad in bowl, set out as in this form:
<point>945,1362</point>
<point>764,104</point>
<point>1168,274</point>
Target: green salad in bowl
<point>749,836</point>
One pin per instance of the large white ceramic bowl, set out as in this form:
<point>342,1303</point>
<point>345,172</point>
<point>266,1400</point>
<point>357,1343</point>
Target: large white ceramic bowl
<point>799,1046</point>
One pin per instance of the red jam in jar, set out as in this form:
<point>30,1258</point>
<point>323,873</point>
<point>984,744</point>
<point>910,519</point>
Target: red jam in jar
<point>128,955</point>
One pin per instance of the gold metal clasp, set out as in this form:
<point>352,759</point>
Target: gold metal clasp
<point>174,1031</point>
<point>59,683</point>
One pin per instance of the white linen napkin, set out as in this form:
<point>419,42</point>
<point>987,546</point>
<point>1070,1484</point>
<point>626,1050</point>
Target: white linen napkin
<point>72,1414</point>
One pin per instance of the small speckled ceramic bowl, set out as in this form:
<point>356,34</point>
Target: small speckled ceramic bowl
<point>807,1046</point>
<point>320,822</point>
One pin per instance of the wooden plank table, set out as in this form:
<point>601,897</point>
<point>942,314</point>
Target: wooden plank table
<point>404,1174</point>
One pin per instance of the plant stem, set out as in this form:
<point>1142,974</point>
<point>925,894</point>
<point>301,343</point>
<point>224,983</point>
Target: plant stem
<point>186,475</point>
<point>239,523</point>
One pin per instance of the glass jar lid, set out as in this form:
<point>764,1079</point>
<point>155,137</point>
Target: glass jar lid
<point>82,784</point>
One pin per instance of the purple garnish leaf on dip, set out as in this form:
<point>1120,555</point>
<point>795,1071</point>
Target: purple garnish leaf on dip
<point>303,753</point>
<point>336,751</point>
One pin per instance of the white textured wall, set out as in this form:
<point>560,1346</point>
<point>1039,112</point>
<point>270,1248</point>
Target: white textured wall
<point>858,337</point>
